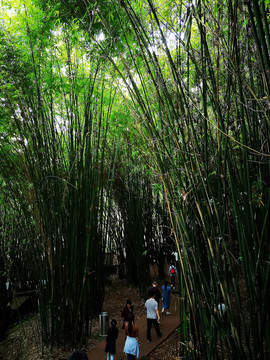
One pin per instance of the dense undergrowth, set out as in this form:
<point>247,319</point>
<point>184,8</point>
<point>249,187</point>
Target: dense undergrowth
<point>136,129</point>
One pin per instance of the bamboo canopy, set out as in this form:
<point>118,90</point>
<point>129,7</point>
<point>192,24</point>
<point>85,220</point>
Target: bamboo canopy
<point>136,129</point>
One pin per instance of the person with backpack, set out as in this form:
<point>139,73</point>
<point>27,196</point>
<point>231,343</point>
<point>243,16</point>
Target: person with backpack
<point>110,348</point>
<point>172,273</point>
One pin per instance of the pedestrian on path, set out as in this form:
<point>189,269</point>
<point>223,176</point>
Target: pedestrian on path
<point>110,348</point>
<point>78,355</point>
<point>172,273</point>
<point>166,297</point>
<point>131,348</point>
<point>126,311</point>
<point>152,316</point>
<point>155,290</point>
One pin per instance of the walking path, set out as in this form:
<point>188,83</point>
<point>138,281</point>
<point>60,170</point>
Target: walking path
<point>168,324</point>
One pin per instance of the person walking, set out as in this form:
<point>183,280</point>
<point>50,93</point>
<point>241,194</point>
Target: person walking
<point>131,348</point>
<point>172,273</point>
<point>152,316</point>
<point>78,355</point>
<point>155,290</point>
<point>126,311</point>
<point>110,347</point>
<point>166,297</point>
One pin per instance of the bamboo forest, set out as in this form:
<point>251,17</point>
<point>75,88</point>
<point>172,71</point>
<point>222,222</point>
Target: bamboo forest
<point>131,130</point>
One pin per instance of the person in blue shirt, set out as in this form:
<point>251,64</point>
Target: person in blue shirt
<point>166,296</point>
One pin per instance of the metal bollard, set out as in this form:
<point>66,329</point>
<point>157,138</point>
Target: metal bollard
<point>103,323</point>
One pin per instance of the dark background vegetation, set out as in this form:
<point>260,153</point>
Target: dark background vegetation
<point>135,129</point>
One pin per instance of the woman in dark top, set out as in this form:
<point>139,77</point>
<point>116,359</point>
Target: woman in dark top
<point>110,348</point>
<point>131,347</point>
<point>126,311</point>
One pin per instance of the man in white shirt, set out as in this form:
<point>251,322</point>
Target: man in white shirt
<point>152,316</point>
<point>155,290</point>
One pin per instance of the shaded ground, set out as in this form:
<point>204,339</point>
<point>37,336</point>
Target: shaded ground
<point>23,342</point>
<point>168,325</point>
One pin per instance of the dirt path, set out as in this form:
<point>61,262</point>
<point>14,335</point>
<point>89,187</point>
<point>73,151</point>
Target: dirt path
<point>168,324</point>
<point>24,342</point>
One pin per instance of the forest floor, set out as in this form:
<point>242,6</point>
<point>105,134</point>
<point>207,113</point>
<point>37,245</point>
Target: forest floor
<point>23,341</point>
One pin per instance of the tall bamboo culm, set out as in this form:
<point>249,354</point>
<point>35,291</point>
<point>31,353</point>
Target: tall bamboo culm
<point>204,112</point>
<point>61,182</point>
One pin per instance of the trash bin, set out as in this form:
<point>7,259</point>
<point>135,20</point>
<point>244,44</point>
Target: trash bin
<point>103,323</point>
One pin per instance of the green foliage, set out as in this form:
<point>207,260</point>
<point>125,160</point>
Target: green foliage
<point>58,177</point>
<point>170,108</point>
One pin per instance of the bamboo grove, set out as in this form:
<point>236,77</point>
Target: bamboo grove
<point>130,125</point>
